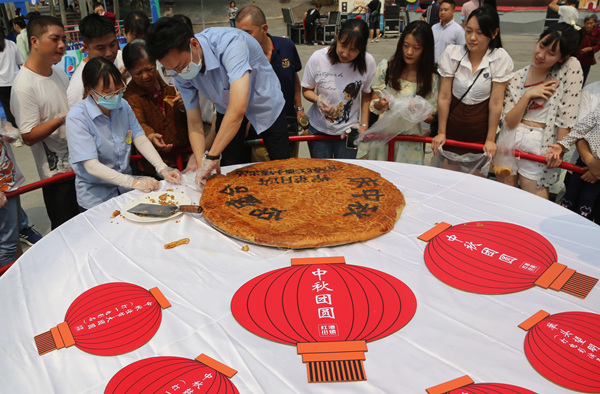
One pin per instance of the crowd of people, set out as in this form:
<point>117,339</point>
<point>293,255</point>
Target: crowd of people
<point>170,89</point>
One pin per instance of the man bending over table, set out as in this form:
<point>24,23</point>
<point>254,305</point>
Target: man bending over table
<point>230,68</point>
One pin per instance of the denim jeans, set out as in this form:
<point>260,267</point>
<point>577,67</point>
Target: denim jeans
<point>334,149</point>
<point>10,219</point>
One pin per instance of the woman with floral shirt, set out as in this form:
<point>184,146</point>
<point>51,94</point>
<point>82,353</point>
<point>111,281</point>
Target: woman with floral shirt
<point>408,73</point>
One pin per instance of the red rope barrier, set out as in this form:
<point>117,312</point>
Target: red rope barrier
<point>298,138</point>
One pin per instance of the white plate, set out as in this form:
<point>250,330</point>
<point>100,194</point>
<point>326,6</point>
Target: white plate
<point>178,197</point>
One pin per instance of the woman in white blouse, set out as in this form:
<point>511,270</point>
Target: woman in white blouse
<point>474,78</point>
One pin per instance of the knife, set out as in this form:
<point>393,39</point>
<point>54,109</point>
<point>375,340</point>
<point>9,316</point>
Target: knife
<point>157,210</point>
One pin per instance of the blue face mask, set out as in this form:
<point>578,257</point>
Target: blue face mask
<point>191,70</point>
<point>110,103</point>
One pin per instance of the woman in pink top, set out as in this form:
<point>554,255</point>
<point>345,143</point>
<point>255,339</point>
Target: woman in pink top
<point>467,8</point>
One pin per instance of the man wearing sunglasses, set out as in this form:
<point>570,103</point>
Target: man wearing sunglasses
<point>229,67</point>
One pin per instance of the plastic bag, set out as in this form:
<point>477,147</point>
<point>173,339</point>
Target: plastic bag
<point>10,133</point>
<point>504,162</point>
<point>469,163</point>
<point>403,115</point>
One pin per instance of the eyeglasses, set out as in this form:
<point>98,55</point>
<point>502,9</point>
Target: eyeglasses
<point>108,96</point>
<point>172,73</point>
<point>165,74</point>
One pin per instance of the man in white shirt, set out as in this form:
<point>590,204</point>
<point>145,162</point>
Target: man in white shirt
<point>447,31</point>
<point>99,39</point>
<point>39,103</point>
<point>566,13</point>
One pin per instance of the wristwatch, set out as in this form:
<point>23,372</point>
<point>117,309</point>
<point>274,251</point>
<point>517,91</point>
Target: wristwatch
<point>211,157</point>
<point>299,109</point>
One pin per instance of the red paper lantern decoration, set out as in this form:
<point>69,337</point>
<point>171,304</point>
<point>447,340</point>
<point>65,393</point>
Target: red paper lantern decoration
<point>565,348</point>
<point>465,385</point>
<point>324,307</point>
<point>487,388</point>
<point>173,375</point>
<point>107,320</point>
<point>498,258</point>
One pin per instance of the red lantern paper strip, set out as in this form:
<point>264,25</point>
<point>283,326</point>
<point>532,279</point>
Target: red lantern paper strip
<point>107,320</point>
<point>337,307</point>
<point>173,374</point>
<point>498,258</point>
<point>465,385</point>
<point>565,348</point>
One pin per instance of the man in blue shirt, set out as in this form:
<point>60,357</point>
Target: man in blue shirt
<point>283,56</point>
<point>229,67</point>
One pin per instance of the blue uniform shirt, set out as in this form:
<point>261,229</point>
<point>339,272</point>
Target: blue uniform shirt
<point>286,63</point>
<point>93,135</point>
<point>228,54</point>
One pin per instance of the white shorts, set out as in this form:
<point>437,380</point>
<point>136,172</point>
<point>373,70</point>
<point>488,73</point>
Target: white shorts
<point>529,139</point>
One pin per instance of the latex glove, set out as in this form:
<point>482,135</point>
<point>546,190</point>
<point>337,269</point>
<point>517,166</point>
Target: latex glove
<point>171,175</point>
<point>3,200</point>
<point>208,166</point>
<point>192,165</point>
<point>324,106</point>
<point>145,183</point>
<point>10,133</point>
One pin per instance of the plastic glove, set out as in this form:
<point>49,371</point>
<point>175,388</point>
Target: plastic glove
<point>171,175</point>
<point>324,106</point>
<point>192,165</point>
<point>3,200</point>
<point>208,166</point>
<point>10,133</point>
<point>145,183</point>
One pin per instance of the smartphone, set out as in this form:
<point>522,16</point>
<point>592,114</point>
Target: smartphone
<point>351,137</point>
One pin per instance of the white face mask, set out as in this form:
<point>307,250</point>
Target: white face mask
<point>191,70</point>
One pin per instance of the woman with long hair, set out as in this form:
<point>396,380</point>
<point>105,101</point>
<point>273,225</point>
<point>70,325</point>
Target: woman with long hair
<point>408,73</point>
<point>338,79</point>
<point>474,78</point>
<point>541,105</point>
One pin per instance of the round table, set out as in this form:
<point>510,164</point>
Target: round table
<point>453,332</point>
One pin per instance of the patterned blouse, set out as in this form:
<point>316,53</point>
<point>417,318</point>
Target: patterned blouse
<point>563,106</point>
<point>588,129</point>
<point>168,121</point>
<point>406,151</point>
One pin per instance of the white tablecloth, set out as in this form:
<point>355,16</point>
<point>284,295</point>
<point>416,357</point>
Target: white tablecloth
<point>453,332</point>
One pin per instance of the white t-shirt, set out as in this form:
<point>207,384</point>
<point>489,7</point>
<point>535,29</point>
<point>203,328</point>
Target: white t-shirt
<point>120,65</point>
<point>341,86</point>
<point>10,60</point>
<point>34,100</point>
<point>497,66</point>
<point>568,14</point>
<point>75,90</point>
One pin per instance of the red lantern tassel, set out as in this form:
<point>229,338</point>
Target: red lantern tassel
<point>334,361</point>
